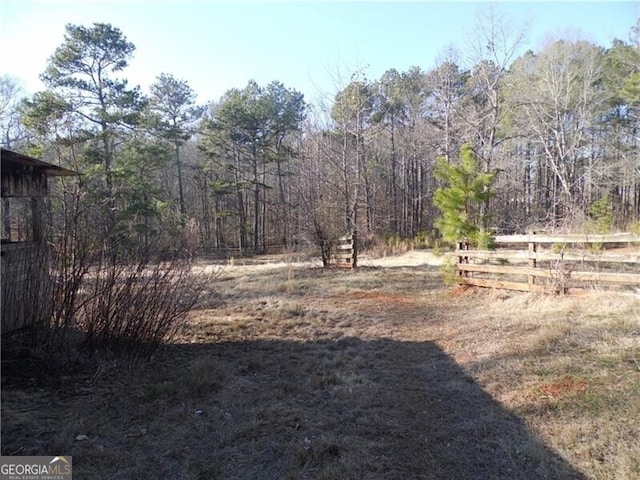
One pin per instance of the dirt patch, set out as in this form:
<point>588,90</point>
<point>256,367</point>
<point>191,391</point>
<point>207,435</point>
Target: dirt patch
<point>460,290</point>
<point>565,387</point>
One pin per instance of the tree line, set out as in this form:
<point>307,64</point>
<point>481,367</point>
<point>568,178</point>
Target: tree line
<point>556,131</point>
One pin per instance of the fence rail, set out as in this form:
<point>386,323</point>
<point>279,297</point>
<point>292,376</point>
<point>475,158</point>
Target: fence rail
<point>552,263</point>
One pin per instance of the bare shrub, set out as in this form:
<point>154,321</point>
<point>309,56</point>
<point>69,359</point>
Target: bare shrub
<point>110,290</point>
<point>131,305</point>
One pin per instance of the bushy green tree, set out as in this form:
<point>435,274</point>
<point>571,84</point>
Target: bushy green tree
<point>145,215</point>
<point>466,189</point>
<point>601,215</point>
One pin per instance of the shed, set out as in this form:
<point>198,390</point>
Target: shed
<point>23,251</point>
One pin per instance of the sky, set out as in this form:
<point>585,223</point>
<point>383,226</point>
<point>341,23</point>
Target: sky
<point>313,47</point>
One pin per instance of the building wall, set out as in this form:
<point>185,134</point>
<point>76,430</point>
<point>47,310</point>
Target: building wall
<point>26,286</point>
<point>24,258</point>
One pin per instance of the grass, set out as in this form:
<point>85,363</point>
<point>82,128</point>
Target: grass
<point>296,372</point>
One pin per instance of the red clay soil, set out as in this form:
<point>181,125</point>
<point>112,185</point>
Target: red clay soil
<point>567,386</point>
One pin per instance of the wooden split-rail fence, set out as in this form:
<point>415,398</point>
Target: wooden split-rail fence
<point>552,263</point>
<point>344,252</point>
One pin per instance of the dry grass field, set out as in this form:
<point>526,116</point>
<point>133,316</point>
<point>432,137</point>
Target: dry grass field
<point>289,371</point>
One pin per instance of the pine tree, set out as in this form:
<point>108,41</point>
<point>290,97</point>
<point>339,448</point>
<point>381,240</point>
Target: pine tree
<point>461,199</point>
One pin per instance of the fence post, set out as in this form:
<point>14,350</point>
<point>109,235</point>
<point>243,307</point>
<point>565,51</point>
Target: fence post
<point>533,248</point>
<point>462,259</point>
<point>354,250</point>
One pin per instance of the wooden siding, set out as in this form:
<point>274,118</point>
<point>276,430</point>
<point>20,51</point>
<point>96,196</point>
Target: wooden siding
<point>26,184</point>
<point>25,285</point>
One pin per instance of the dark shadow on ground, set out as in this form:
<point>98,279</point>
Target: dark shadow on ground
<point>346,409</point>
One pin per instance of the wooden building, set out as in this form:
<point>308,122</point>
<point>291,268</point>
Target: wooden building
<point>24,256</point>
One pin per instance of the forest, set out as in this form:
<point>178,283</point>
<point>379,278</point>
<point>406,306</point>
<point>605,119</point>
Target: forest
<point>554,133</point>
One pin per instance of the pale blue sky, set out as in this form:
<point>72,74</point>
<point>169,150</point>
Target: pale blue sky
<point>309,46</point>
